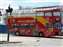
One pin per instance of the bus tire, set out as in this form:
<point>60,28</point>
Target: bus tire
<point>56,33</point>
<point>17,33</point>
<point>41,34</point>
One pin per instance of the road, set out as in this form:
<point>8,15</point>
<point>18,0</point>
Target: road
<point>30,41</point>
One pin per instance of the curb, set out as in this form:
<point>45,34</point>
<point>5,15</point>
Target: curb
<point>5,42</point>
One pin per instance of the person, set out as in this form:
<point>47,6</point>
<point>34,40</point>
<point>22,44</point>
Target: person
<point>0,13</point>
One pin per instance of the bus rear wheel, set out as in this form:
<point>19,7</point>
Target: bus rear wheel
<point>41,34</point>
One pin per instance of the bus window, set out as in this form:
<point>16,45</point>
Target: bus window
<point>56,13</point>
<point>61,13</point>
<point>40,14</point>
<point>48,14</point>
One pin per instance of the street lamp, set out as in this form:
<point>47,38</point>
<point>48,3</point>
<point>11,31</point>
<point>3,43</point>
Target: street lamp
<point>9,10</point>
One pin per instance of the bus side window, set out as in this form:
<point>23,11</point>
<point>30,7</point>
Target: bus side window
<point>56,13</point>
<point>48,14</point>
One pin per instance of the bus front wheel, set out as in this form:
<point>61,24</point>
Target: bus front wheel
<point>17,33</point>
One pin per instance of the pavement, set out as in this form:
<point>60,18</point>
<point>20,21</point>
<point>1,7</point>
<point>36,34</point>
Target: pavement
<point>30,41</point>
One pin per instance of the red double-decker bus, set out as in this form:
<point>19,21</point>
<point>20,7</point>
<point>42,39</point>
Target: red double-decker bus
<point>42,22</point>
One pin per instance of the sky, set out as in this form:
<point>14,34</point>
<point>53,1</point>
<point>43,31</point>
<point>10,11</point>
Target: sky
<point>28,3</point>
